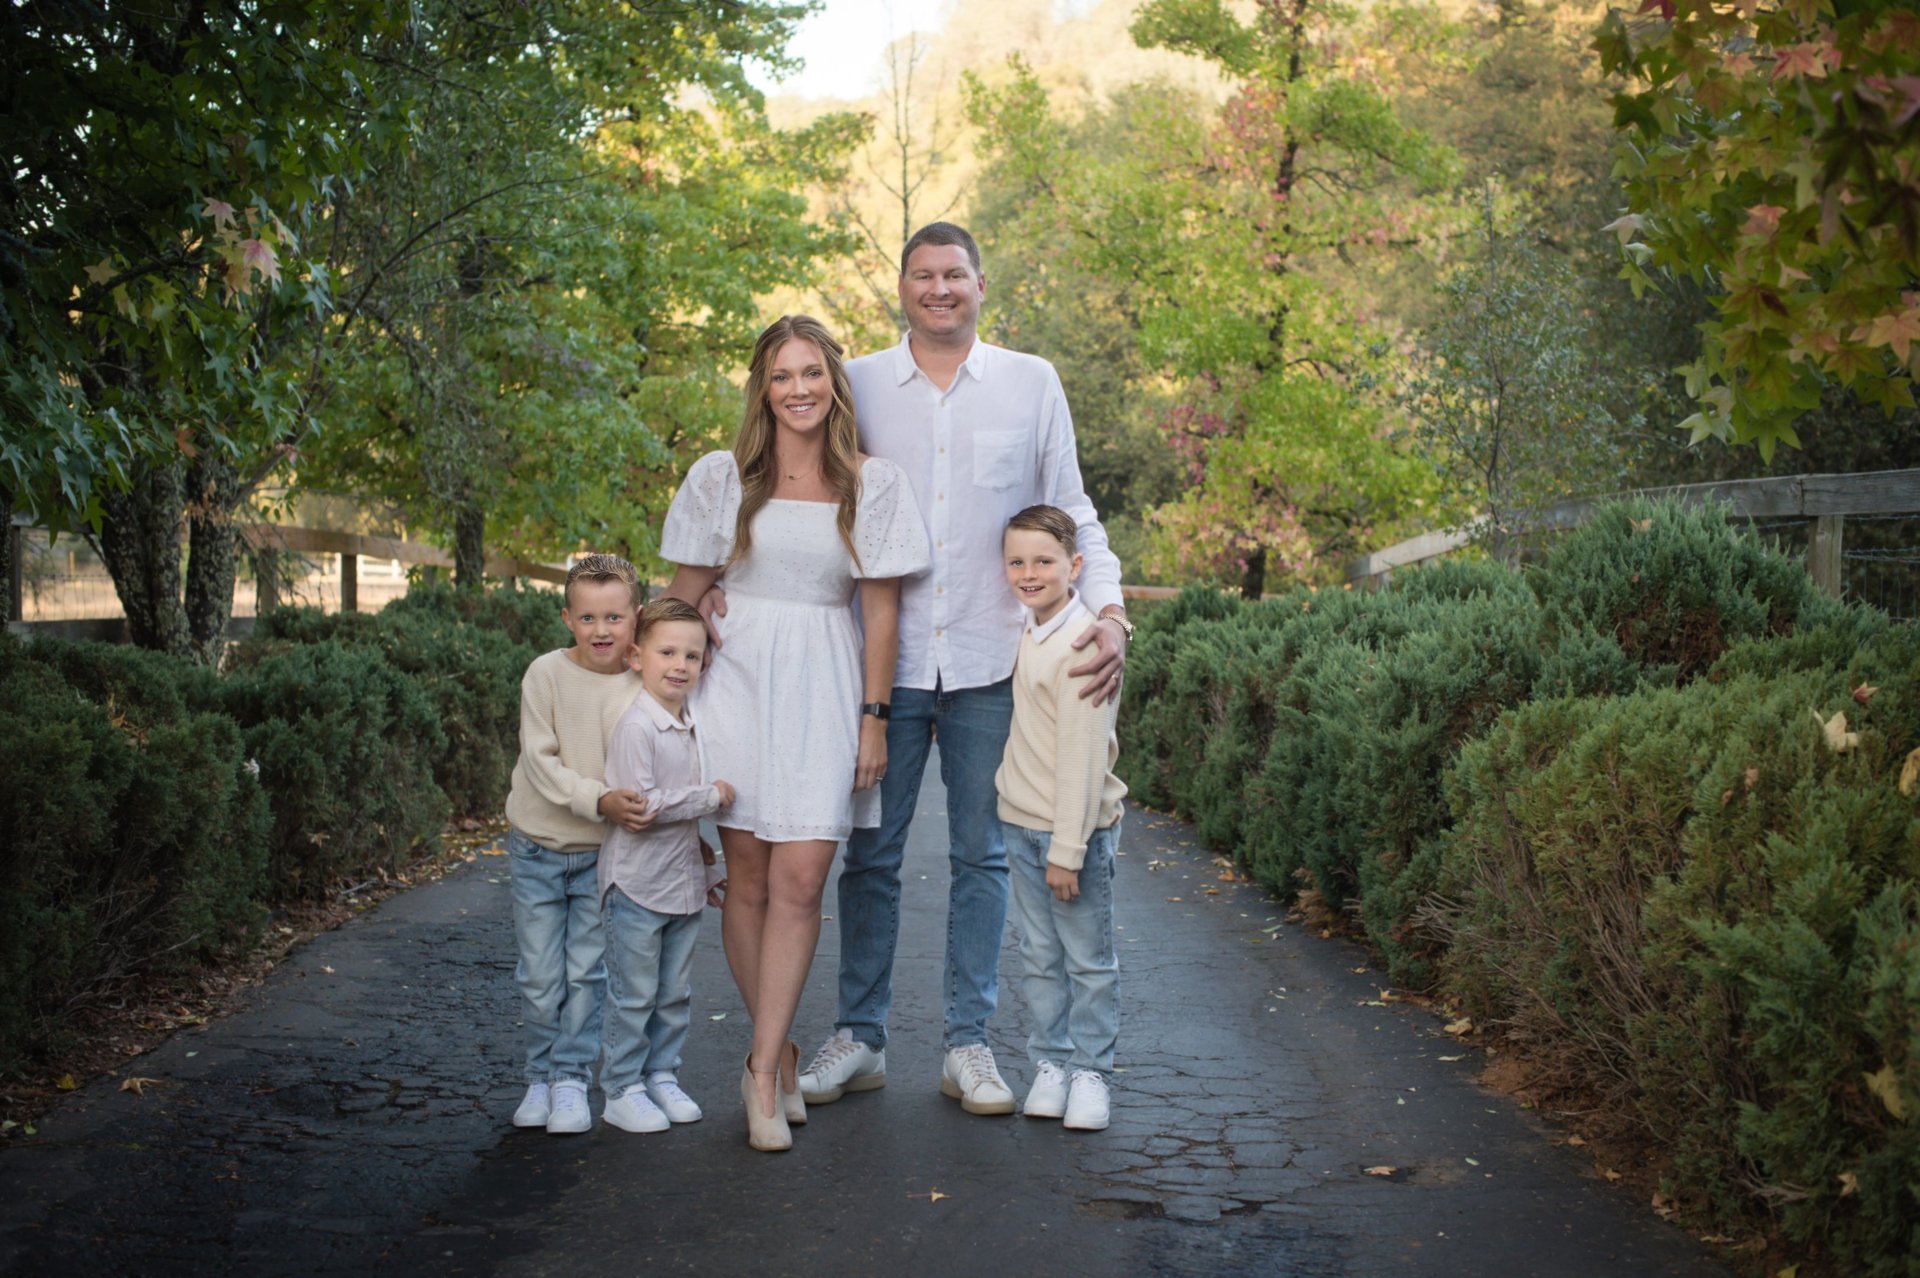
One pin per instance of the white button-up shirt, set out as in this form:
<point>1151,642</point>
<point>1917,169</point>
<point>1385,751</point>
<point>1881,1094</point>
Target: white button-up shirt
<point>657,756</point>
<point>996,441</point>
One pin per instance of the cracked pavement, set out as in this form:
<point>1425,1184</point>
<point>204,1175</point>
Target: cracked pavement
<point>352,1113</point>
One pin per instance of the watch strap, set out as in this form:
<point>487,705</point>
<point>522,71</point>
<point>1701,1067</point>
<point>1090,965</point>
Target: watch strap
<point>878,709</point>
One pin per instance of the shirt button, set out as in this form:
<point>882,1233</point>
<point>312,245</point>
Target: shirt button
<point>939,590</point>
<point>939,545</point>
<point>940,497</point>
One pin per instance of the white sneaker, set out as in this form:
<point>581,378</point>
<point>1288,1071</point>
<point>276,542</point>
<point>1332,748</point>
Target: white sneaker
<point>842,1065</point>
<point>570,1114</point>
<point>534,1107</point>
<point>663,1089</point>
<point>1088,1103</point>
<point>1047,1098</point>
<point>970,1077</point>
<point>634,1111</point>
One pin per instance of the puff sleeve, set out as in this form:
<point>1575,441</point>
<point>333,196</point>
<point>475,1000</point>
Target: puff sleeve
<point>699,526</point>
<point>888,531</point>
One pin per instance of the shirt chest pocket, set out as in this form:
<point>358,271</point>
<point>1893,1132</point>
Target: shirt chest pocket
<point>1000,459</point>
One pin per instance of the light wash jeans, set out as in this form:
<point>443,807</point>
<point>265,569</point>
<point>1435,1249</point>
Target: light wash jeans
<point>972,724</point>
<point>1070,971</point>
<point>562,972</point>
<point>650,990</point>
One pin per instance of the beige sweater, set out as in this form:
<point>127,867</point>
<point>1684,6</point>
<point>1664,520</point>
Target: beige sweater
<point>567,714</point>
<point>1057,773</point>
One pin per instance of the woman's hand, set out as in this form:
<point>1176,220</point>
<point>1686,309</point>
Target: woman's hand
<point>871,763</point>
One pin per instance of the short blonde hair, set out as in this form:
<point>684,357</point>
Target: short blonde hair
<point>598,568</point>
<point>667,608</point>
<point>1051,520</point>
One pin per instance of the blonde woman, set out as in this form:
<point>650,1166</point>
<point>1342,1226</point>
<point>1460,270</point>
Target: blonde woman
<point>794,707</point>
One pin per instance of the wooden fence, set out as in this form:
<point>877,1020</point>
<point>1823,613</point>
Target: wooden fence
<point>1826,500</point>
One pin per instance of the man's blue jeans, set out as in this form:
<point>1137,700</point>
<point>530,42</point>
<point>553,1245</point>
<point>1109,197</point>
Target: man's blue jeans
<point>562,972</point>
<point>972,725</point>
<point>1070,972</point>
<point>650,984</point>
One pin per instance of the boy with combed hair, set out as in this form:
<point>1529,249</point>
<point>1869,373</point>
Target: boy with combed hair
<point>1060,806</point>
<point>560,810</point>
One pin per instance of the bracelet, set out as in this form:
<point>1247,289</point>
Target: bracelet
<point>878,709</point>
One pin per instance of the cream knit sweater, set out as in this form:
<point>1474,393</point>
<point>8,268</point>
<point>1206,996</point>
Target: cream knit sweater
<point>1057,773</point>
<point>567,714</point>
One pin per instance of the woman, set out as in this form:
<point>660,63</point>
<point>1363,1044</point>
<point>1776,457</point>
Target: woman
<point>792,710</point>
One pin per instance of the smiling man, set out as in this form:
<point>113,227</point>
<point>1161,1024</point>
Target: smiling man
<point>982,432</point>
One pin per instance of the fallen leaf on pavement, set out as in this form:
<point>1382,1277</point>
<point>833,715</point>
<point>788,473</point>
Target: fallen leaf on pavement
<point>934,1196</point>
<point>65,1083</point>
<point>1359,969</point>
<point>1576,1141</point>
<point>718,1016</point>
<point>1381,1171</point>
<point>1610,1173</point>
<point>1462,1026</point>
<point>326,969</point>
<point>1460,1057</point>
<point>138,1086</point>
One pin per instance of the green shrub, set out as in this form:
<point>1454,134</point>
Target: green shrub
<point>1712,913</point>
<point>345,745</point>
<point>531,618</point>
<point>139,843</point>
<point>470,673</point>
<point>1674,586</point>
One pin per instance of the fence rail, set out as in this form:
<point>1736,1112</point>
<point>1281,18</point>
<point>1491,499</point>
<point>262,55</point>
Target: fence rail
<point>1826,500</point>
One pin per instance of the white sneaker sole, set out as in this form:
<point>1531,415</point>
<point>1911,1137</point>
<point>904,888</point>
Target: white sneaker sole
<point>1085,1125</point>
<point>530,1120</point>
<point>950,1088</point>
<point>1032,1110</point>
<point>637,1128</point>
<point>858,1083</point>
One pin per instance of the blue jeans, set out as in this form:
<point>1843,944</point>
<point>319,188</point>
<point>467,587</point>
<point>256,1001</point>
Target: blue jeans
<point>1070,971</point>
<point>650,988</point>
<point>562,972</point>
<point>972,724</point>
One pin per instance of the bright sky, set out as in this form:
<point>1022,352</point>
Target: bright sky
<point>843,42</point>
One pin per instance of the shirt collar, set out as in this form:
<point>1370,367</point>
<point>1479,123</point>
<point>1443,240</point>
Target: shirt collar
<point>904,367</point>
<point>663,718</point>
<point>1042,631</point>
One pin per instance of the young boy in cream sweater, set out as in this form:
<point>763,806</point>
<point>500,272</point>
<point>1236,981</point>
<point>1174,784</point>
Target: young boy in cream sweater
<point>560,811</point>
<point>1060,805</point>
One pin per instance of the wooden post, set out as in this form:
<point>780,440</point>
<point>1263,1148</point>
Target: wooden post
<point>266,580</point>
<point>349,582</point>
<point>1823,553</point>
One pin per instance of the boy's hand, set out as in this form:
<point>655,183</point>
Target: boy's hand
<point>717,895</point>
<point>1106,663</point>
<point>726,797</point>
<point>1064,883</point>
<point>625,809</point>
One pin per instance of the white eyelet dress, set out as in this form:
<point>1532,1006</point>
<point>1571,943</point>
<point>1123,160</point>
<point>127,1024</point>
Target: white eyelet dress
<point>779,708</point>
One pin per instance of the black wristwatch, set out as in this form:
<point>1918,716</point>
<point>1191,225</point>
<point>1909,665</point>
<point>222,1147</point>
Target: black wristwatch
<point>878,709</point>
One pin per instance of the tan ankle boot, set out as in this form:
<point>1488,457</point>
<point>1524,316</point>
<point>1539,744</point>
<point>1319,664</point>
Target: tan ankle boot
<point>790,1101</point>
<point>769,1134</point>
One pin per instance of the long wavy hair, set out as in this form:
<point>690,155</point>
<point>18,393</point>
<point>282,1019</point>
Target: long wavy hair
<point>753,446</point>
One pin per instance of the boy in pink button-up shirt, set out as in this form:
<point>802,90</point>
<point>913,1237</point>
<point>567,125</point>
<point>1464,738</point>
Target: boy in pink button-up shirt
<point>653,882</point>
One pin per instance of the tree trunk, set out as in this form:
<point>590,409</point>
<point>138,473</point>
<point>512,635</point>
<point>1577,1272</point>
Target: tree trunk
<point>469,546</point>
<point>140,541</point>
<point>1253,582</point>
<point>213,490</point>
<point>10,547</point>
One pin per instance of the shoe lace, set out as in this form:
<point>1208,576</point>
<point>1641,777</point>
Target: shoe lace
<point>569,1098</point>
<point>670,1089</point>
<point>831,1053</point>
<point>1050,1074</point>
<point>1089,1078</point>
<point>976,1062</point>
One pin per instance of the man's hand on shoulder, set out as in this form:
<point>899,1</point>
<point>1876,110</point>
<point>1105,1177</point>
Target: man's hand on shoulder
<point>1108,660</point>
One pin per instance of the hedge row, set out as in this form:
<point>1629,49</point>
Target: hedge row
<point>1604,804</point>
<point>166,805</point>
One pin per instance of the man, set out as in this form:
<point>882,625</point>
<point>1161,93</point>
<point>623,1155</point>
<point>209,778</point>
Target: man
<point>982,432</point>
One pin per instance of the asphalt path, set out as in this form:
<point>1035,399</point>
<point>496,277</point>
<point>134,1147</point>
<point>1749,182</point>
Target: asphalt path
<point>352,1116</point>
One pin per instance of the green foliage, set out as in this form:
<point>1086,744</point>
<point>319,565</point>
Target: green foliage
<point>1762,154</point>
<point>346,746</point>
<point>1276,423</point>
<point>1672,586</point>
<point>530,618</point>
<point>469,673</point>
<point>139,843</point>
<point>1712,912</point>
